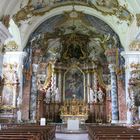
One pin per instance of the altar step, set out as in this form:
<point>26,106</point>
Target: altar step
<point>72,132</point>
<point>62,128</point>
<point>71,136</point>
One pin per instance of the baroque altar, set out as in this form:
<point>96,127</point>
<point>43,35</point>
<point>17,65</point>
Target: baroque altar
<point>74,109</point>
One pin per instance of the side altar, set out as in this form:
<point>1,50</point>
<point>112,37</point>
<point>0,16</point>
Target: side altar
<point>74,109</point>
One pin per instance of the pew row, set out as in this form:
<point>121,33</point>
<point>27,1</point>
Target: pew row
<point>112,133</point>
<point>28,132</point>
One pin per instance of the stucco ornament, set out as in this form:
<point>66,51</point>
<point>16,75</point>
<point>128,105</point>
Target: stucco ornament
<point>11,46</point>
<point>106,7</point>
<point>135,45</point>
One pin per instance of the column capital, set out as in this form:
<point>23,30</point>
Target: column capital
<point>134,45</point>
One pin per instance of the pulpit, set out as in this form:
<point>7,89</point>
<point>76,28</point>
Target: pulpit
<point>74,109</point>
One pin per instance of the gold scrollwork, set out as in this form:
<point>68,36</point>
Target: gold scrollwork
<point>105,7</point>
<point>135,46</point>
<point>112,8</point>
<point>11,45</point>
<point>5,107</point>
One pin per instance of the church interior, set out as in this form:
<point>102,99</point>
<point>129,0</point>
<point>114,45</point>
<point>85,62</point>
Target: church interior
<point>69,68</point>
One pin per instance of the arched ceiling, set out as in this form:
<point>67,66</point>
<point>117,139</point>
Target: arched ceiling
<point>119,14</point>
<point>74,36</point>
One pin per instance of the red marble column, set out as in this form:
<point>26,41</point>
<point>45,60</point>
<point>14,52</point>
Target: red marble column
<point>26,101</point>
<point>121,101</point>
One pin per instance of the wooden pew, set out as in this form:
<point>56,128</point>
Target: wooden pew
<point>31,132</point>
<point>112,133</point>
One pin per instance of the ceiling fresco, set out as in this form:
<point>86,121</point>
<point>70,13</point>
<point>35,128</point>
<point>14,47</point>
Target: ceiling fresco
<point>74,36</point>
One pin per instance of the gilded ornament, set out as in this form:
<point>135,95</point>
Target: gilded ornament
<point>6,20</point>
<point>138,19</point>
<point>74,108</point>
<point>112,7</point>
<point>106,7</point>
<point>21,15</point>
<point>11,46</point>
<point>135,65</point>
<point>6,107</point>
<point>135,45</point>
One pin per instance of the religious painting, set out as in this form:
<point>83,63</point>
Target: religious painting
<point>74,83</point>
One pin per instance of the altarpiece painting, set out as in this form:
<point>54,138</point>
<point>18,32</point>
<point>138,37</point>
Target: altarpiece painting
<point>74,83</point>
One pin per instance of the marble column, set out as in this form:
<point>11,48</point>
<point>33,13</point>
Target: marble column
<point>132,60</point>
<point>95,81</point>
<point>88,87</point>
<point>33,99</point>
<point>60,85</point>
<point>114,95</point>
<point>139,112</point>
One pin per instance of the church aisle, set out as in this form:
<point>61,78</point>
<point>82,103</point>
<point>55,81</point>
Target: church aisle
<point>60,136</point>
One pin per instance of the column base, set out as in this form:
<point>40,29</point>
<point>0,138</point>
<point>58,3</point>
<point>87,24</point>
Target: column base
<point>114,121</point>
<point>129,122</point>
<point>129,117</point>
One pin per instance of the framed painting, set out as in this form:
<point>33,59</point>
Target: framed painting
<point>74,83</point>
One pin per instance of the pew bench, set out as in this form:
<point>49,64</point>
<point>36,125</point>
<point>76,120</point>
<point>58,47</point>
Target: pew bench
<point>112,133</point>
<point>28,132</point>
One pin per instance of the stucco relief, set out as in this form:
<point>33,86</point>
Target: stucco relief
<point>11,46</point>
<point>135,46</point>
<point>40,7</point>
<point>9,85</point>
<point>134,86</point>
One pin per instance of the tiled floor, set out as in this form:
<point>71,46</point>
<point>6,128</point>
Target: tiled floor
<point>60,136</point>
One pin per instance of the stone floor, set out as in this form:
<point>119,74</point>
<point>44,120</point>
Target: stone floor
<point>60,136</point>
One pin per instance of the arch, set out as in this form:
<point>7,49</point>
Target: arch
<point>60,10</point>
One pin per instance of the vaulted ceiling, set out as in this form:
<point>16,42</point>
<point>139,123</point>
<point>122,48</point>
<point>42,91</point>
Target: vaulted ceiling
<point>75,35</point>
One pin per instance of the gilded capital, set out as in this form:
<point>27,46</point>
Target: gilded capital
<point>135,45</point>
<point>11,46</point>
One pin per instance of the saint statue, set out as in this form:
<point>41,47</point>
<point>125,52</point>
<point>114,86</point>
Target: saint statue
<point>90,97</point>
<point>57,95</point>
<point>19,101</point>
<point>48,95</point>
<point>100,95</point>
<point>95,96</point>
